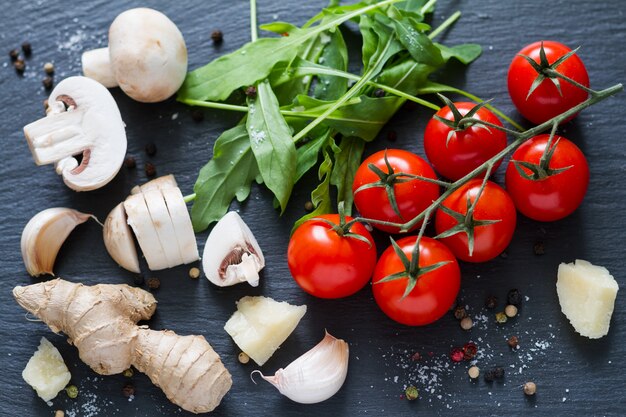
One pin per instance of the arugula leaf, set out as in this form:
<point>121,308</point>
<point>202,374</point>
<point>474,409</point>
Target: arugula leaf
<point>307,154</point>
<point>227,175</point>
<point>320,197</point>
<point>417,43</point>
<point>347,160</point>
<point>465,53</point>
<point>254,61</point>
<point>334,55</point>
<point>272,144</point>
<point>407,76</point>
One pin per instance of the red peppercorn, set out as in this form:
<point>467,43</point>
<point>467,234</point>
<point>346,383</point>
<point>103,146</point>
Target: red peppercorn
<point>416,356</point>
<point>456,354</point>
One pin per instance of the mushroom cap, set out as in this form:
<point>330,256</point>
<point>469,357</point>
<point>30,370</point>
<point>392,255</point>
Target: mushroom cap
<point>91,125</point>
<point>148,54</point>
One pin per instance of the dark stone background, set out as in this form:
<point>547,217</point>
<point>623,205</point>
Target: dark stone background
<point>575,376</point>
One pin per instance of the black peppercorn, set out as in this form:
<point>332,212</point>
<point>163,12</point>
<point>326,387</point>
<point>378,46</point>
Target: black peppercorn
<point>19,66</point>
<point>14,54</point>
<point>151,149</point>
<point>128,390</point>
<point>197,115</point>
<point>153,283</point>
<point>513,342</point>
<point>217,37</point>
<point>27,48</point>
<point>308,206</point>
<point>150,170</point>
<point>47,83</point>
<point>538,248</point>
<point>251,91</point>
<point>392,136</point>
<point>491,302</point>
<point>498,372</point>
<point>129,162</point>
<point>489,375</point>
<point>379,92</point>
<point>459,312</point>
<point>514,297</point>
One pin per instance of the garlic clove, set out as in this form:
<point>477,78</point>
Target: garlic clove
<point>166,181</point>
<point>141,223</point>
<point>315,376</point>
<point>179,214</point>
<point>44,235</point>
<point>118,239</point>
<point>163,225</point>
<point>231,253</point>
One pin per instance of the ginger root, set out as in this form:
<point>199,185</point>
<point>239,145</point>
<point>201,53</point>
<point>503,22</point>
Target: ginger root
<point>101,322</point>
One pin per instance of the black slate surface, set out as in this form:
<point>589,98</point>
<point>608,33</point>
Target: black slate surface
<point>574,375</point>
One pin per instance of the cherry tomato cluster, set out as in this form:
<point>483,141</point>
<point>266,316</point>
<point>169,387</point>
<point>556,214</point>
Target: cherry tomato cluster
<point>415,281</point>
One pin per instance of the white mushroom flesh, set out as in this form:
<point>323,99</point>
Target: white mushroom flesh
<point>118,239</point>
<point>148,54</point>
<point>87,122</point>
<point>231,253</point>
<point>97,66</point>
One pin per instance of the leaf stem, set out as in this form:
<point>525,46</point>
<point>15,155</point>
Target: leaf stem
<point>489,164</point>
<point>189,198</point>
<point>254,34</point>
<point>446,23</point>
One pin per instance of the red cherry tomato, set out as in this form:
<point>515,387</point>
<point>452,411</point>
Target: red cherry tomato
<point>546,101</point>
<point>465,150</point>
<point>556,196</point>
<point>412,197</point>
<point>434,292</point>
<point>489,239</point>
<point>328,265</point>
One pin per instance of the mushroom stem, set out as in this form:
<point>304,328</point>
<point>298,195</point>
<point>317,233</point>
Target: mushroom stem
<point>248,268</point>
<point>56,136</point>
<point>97,66</point>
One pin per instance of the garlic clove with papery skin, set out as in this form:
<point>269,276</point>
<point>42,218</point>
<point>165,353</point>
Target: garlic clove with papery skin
<point>118,239</point>
<point>44,235</point>
<point>231,253</point>
<point>315,376</point>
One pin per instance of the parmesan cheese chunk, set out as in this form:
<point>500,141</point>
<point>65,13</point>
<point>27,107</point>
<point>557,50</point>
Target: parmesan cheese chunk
<point>587,296</point>
<point>46,372</point>
<point>260,325</point>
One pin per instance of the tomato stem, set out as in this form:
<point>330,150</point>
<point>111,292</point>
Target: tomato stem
<point>520,137</point>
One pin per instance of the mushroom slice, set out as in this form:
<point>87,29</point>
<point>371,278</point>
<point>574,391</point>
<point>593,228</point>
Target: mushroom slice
<point>118,239</point>
<point>140,221</point>
<point>97,66</point>
<point>163,225</point>
<point>231,253</point>
<point>156,184</point>
<point>182,224</point>
<point>44,235</point>
<point>87,122</point>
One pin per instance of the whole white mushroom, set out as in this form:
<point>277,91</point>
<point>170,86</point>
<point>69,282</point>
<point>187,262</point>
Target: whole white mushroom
<point>146,56</point>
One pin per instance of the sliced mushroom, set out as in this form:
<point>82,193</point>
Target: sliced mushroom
<point>163,225</point>
<point>155,184</point>
<point>85,121</point>
<point>44,235</point>
<point>140,221</point>
<point>186,238</point>
<point>118,239</point>
<point>147,56</point>
<point>231,253</point>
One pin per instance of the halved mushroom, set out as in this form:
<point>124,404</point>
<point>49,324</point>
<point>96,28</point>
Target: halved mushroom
<point>231,253</point>
<point>118,239</point>
<point>84,120</point>
<point>157,213</point>
<point>147,56</point>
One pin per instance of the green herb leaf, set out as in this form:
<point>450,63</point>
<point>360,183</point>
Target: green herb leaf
<point>347,160</point>
<point>227,175</point>
<point>417,43</point>
<point>334,55</point>
<point>320,197</point>
<point>272,143</point>
<point>307,154</point>
<point>466,53</point>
